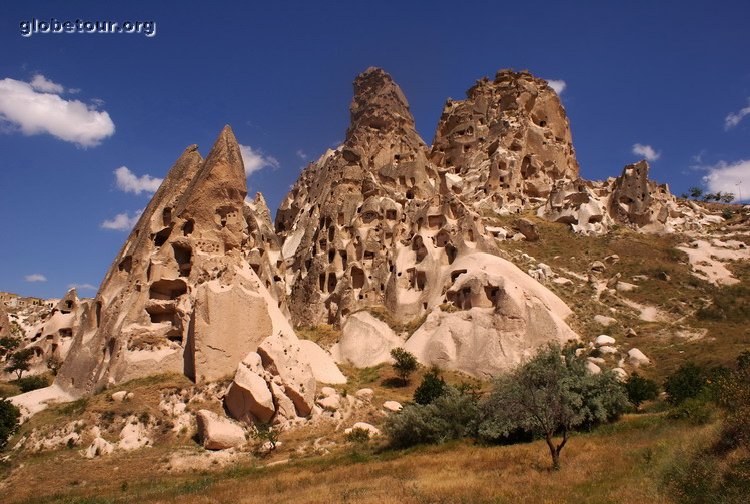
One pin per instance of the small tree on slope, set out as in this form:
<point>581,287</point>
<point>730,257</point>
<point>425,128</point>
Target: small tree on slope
<point>548,395</point>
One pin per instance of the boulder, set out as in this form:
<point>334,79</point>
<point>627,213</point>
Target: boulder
<point>527,229</point>
<point>119,396</point>
<point>364,394</point>
<point>592,368</point>
<point>99,446</point>
<point>371,429</point>
<point>637,358</point>
<point>604,320</point>
<point>218,433</point>
<point>621,374</point>
<point>393,406</point>
<point>603,339</point>
<point>249,397</point>
<point>282,356</point>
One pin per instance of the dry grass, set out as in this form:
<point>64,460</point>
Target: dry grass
<point>621,463</point>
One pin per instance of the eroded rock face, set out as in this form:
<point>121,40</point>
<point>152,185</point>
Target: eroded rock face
<point>194,289</point>
<point>52,336</point>
<point>632,199</point>
<point>507,142</point>
<point>381,222</point>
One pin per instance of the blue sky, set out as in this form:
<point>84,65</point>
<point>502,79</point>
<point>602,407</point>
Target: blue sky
<point>74,108</point>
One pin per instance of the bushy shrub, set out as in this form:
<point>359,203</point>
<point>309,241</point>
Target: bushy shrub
<point>685,383</point>
<point>32,383</point>
<point>452,415</point>
<point>404,363</point>
<point>640,389</point>
<point>9,416</point>
<point>431,388</point>
<point>358,435</point>
<point>697,410</point>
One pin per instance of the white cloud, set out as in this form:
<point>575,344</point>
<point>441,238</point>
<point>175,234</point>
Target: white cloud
<point>255,160</point>
<point>729,178</point>
<point>646,151</point>
<point>558,85</point>
<point>34,113</point>
<point>85,286</point>
<point>41,83</point>
<point>301,154</point>
<point>732,120</point>
<point>122,221</point>
<point>127,181</point>
<point>36,277</point>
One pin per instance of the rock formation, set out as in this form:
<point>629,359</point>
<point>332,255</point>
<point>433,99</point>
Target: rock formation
<point>52,337</point>
<point>632,199</point>
<point>195,289</point>
<point>5,331</point>
<point>381,222</point>
<point>507,143</point>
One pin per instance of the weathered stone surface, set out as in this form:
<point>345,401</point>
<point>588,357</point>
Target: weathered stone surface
<point>218,433</point>
<point>323,367</point>
<point>196,287</point>
<point>249,397</point>
<point>282,356</point>
<point>384,222</point>
<point>365,341</point>
<point>632,199</point>
<point>603,339</point>
<point>637,358</point>
<point>392,406</point>
<point>509,141</point>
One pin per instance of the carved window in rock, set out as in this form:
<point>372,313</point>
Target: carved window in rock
<point>183,255</point>
<point>358,278</point>
<point>166,289</point>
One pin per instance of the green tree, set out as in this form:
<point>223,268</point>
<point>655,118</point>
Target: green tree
<point>695,192</point>
<point>550,395</point>
<point>727,197</point>
<point>685,383</point>
<point>640,389</point>
<point>266,433</point>
<point>9,415</point>
<point>404,363</point>
<point>8,345</point>
<point>431,388</point>
<point>19,362</point>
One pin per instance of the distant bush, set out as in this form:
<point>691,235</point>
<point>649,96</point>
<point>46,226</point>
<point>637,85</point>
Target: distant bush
<point>685,383</point>
<point>358,435</point>
<point>452,415</point>
<point>9,417</point>
<point>404,363</point>
<point>431,388</point>
<point>640,389</point>
<point>32,383</point>
<point>697,410</point>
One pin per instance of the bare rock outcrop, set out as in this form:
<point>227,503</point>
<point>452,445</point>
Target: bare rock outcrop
<point>507,142</point>
<point>382,222</point>
<point>632,199</point>
<point>195,288</point>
